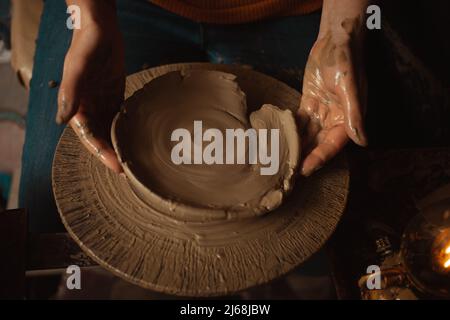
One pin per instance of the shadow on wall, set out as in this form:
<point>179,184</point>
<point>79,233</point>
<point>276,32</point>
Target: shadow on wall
<point>409,92</point>
<point>5,22</point>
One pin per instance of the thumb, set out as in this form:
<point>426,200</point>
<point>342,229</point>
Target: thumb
<point>69,94</point>
<point>348,94</point>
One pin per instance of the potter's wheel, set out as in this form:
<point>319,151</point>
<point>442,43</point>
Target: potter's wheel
<point>126,236</point>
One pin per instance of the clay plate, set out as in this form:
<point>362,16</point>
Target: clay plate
<point>132,240</point>
<point>141,134</point>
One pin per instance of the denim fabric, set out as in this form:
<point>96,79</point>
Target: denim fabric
<point>153,36</point>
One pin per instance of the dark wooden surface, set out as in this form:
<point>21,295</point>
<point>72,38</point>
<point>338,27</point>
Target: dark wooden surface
<point>51,251</point>
<point>22,252</point>
<point>384,189</point>
<point>385,185</point>
<point>12,249</point>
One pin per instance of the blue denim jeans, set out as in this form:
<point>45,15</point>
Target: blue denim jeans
<point>153,36</point>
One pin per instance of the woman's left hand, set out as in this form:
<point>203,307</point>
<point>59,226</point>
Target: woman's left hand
<point>332,105</point>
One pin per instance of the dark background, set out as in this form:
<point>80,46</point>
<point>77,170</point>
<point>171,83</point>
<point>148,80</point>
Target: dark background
<point>408,71</point>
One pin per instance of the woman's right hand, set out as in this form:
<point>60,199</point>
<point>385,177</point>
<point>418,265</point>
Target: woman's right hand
<point>93,82</point>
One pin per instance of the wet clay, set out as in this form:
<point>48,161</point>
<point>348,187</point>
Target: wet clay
<point>200,192</point>
<point>153,250</point>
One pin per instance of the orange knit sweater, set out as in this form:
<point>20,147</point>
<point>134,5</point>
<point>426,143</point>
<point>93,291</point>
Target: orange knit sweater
<point>237,11</point>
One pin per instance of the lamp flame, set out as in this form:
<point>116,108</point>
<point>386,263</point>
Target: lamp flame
<point>447,262</point>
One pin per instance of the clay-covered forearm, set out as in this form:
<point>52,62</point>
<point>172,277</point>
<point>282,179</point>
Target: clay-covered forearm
<point>343,19</point>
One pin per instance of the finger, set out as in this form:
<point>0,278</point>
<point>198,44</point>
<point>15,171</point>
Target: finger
<point>95,144</point>
<point>111,98</point>
<point>69,94</point>
<point>308,122</point>
<point>348,93</point>
<point>333,142</point>
<point>310,136</point>
<point>302,120</point>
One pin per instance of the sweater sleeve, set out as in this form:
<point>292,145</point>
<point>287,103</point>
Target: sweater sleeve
<point>237,11</point>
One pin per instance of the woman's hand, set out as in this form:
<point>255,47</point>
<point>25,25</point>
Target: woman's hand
<point>334,90</point>
<point>93,82</point>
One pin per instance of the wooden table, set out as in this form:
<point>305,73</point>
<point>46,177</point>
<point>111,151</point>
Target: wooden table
<point>384,187</point>
<point>24,255</point>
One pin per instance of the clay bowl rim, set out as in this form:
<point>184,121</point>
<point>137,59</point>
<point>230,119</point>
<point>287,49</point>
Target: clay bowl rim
<point>182,212</point>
